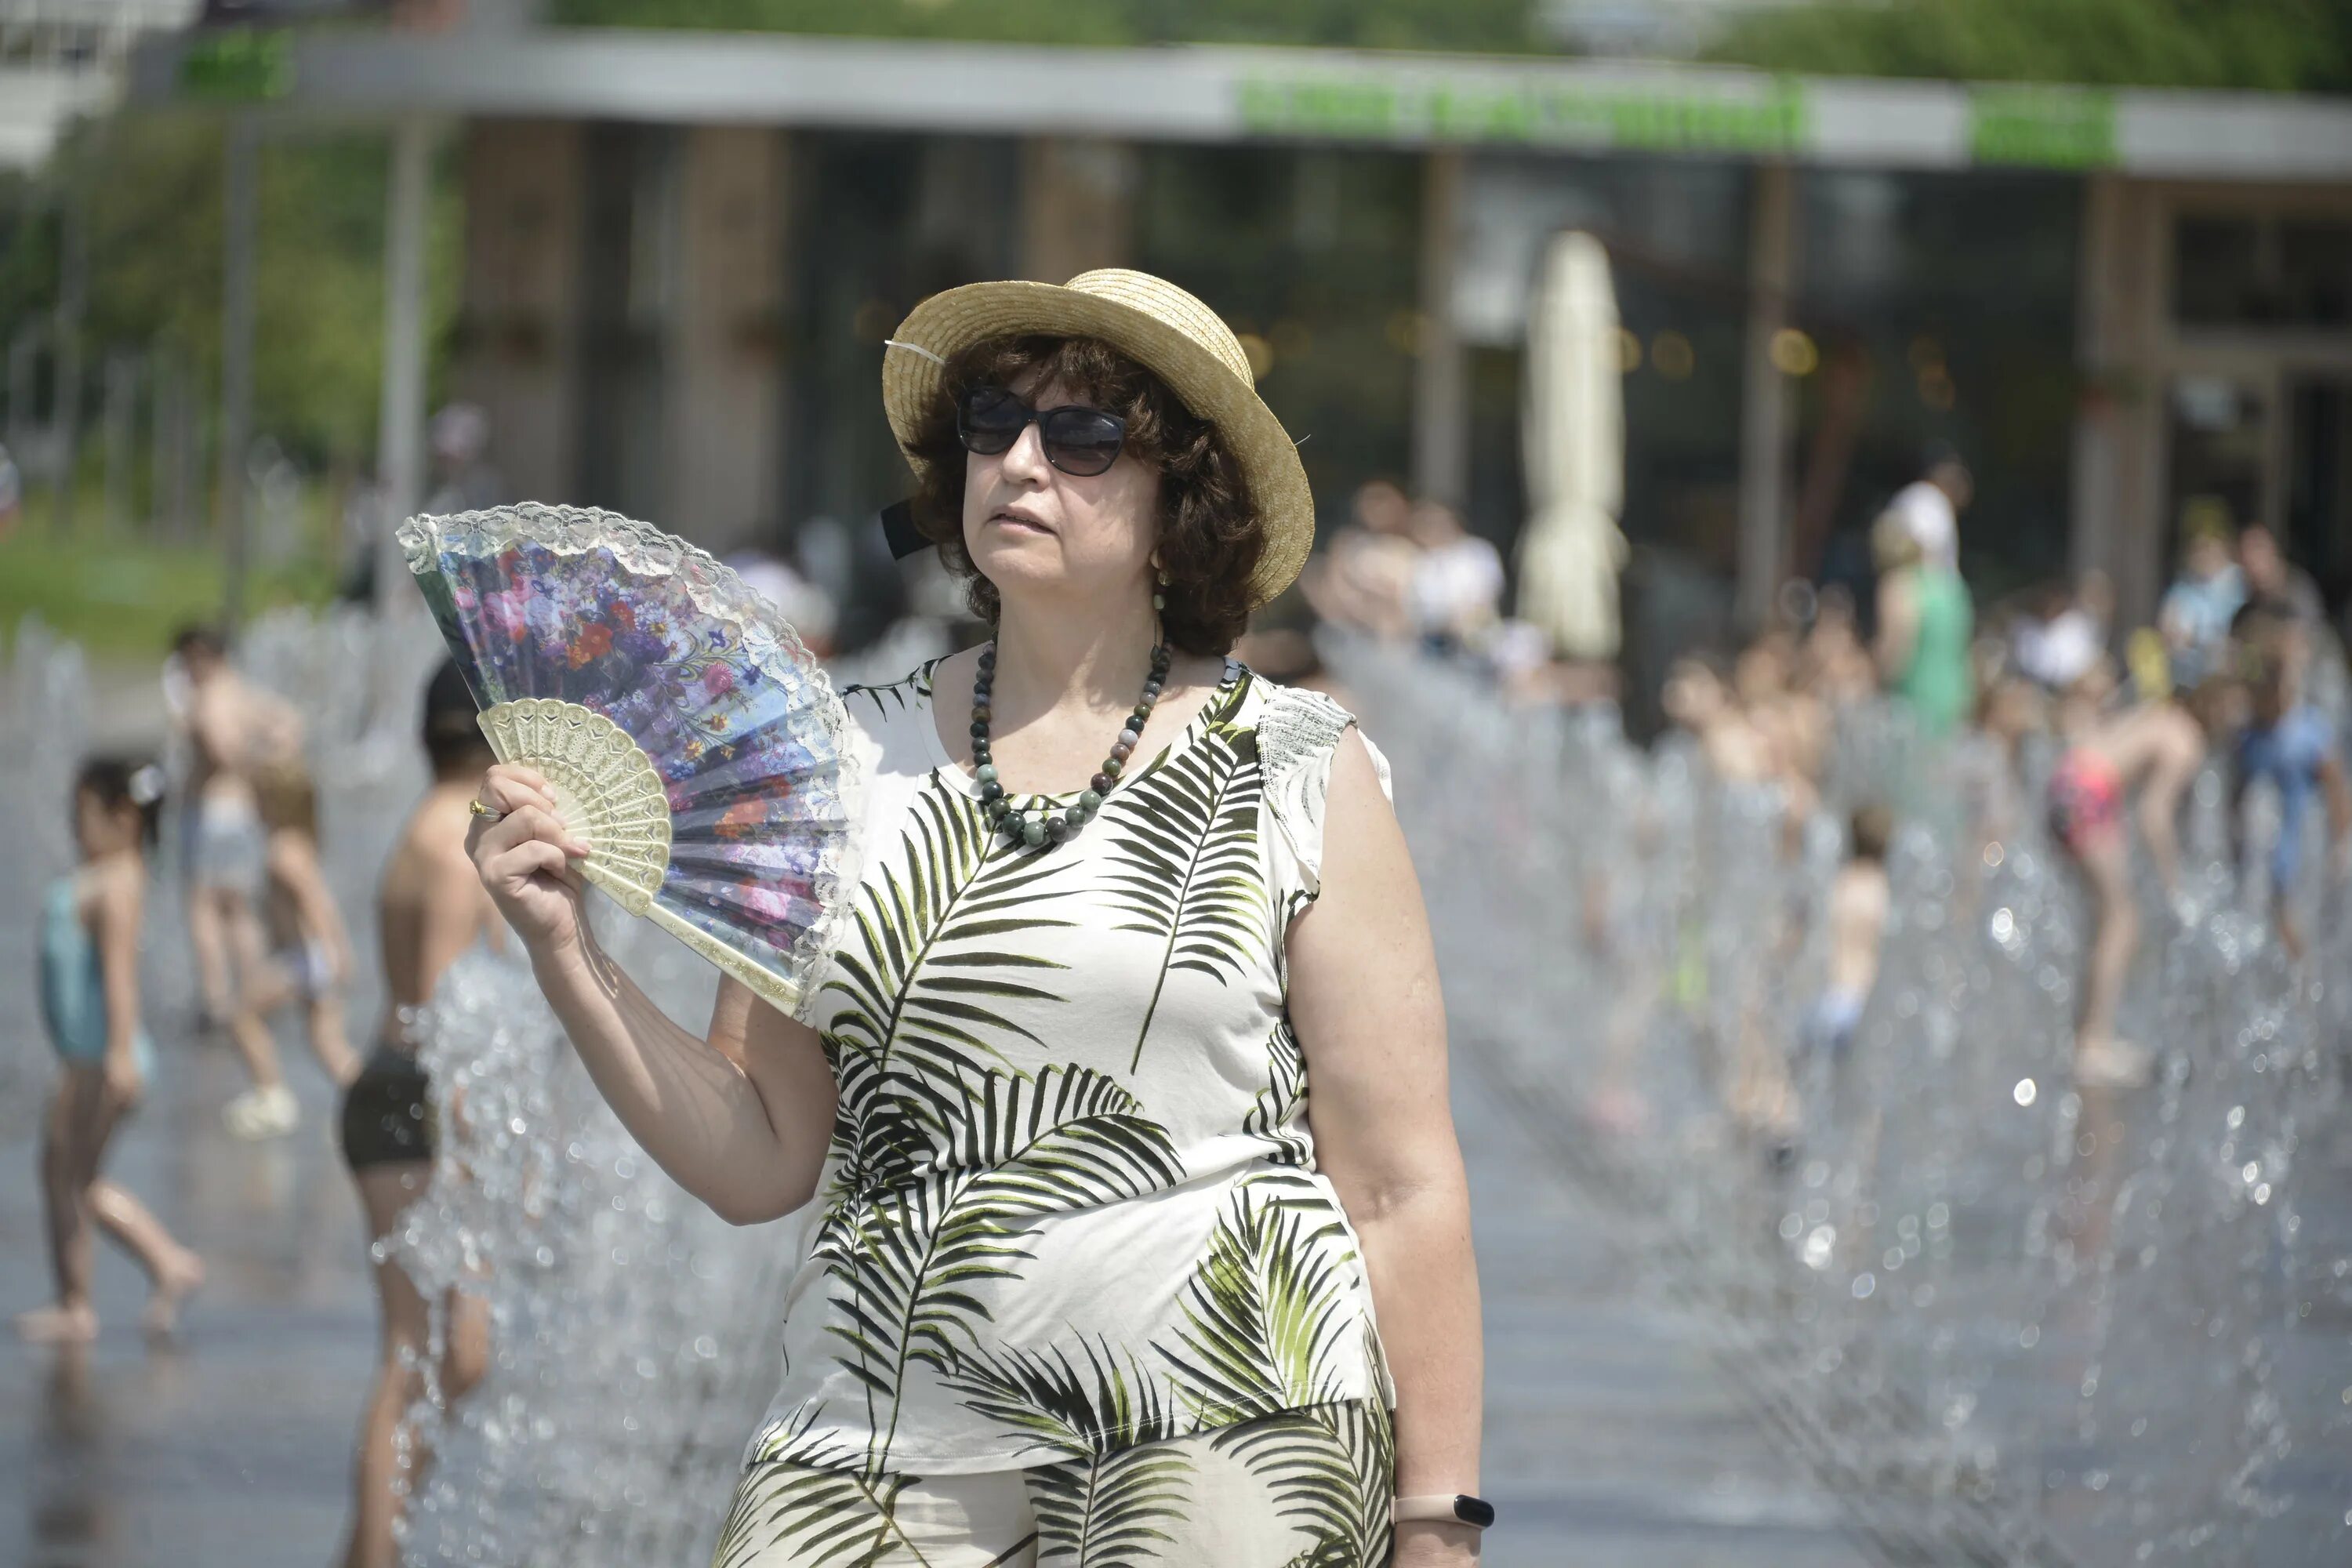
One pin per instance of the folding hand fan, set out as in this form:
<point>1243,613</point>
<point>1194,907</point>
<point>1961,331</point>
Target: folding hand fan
<point>692,742</point>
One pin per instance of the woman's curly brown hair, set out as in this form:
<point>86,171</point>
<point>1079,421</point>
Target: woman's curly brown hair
<point>1210,534</point>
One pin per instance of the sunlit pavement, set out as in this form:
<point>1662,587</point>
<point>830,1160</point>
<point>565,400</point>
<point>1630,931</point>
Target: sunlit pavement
<point>231,1445</point>
<point>1611,1436</point>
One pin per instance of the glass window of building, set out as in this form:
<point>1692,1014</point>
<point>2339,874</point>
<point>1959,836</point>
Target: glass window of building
<point>1944,310</point>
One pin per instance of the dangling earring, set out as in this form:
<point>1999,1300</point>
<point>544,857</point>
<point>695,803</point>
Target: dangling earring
<point>1160,593</point>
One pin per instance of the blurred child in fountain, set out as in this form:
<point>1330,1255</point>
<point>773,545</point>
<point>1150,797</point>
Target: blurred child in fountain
<point>311,951</point>
<point>1697,700</point>
<point>2289,743</point>
<point>2063,631</point>
<point>2156,747</point>
<point>1795,723</point>
<point>235,731</point>
<point>1857,924</point>
<point>1988,766</point>
<point>1834,666</point>
<point>1363,579</point>
<point>90,1000</point>
<point>1742,759</point>
<point>1457,581</point>
<point>431,907</point>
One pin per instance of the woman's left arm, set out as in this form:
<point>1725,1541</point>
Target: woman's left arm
<point>1364,999</point>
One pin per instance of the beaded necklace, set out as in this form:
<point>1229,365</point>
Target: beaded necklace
<point>1037,822</point>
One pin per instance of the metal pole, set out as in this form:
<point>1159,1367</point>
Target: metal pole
<point>1441,386</point>
<point>240,221</point>
<point>400,420</point>
<point>1767,409</point>
<point>73,278</point>
<point>121,431</point>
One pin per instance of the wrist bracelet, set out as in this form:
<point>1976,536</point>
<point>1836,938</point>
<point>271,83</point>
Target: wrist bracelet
<point>1453,1507</point>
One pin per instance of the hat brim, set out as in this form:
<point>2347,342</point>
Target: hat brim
<point>948,322</point>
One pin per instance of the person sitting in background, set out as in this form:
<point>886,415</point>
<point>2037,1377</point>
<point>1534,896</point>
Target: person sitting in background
<point>1363,579</point>
<point>2198,608</point>
<point>1925,624</point>
<point>310,949</point>
<point>2290,744</point>
<point>1457,584</point>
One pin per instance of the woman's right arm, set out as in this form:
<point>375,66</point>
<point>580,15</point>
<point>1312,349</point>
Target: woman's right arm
<point>740,1119</point>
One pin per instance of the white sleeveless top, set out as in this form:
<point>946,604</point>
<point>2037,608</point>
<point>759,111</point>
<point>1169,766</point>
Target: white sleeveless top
<point>1071,1204</point>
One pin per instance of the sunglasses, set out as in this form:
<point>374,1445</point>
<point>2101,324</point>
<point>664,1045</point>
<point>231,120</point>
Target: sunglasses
<point>1079,441</point>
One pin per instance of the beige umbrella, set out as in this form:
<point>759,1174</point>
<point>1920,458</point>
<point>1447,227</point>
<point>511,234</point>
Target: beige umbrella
<point>1573,434</point>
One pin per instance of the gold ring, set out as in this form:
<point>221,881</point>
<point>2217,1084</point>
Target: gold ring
<point>484,811</point>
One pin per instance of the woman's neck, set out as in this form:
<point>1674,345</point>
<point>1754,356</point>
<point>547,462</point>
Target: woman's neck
<point>1095,664</point>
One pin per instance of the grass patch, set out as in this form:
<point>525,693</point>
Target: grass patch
<point>127,596</point>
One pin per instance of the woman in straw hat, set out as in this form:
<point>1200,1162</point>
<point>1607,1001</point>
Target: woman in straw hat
<point>1087,1284</point>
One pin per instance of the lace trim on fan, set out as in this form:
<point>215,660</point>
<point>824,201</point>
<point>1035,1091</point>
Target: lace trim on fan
<point>715,591</point>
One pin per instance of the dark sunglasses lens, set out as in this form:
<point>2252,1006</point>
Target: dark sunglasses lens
<point>989,419</point>
<point>1083,441</point>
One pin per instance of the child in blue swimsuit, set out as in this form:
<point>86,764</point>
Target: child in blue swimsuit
<point>89,999</point>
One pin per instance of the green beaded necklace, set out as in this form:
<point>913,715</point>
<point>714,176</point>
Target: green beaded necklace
<point>1038,824</point>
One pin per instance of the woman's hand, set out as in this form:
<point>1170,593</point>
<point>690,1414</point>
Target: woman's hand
<point>525,859</point>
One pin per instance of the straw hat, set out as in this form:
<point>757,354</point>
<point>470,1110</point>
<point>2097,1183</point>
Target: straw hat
<point>1162,328</point>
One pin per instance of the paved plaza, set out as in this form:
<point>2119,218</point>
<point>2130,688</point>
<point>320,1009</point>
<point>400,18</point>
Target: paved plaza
<point>1613,1436</point>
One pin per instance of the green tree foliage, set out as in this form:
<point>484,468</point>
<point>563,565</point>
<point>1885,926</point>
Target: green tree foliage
<point>149,189</point>
<point>2286,46</point>
<point>1500,26</point>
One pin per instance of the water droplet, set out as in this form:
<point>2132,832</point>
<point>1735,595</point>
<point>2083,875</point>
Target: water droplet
<point>2025,1092</point>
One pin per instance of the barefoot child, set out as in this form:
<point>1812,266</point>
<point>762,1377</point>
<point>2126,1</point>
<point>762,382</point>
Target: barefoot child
<point>311,950</point>
<point>89,999</point>
<point>2154,747</point>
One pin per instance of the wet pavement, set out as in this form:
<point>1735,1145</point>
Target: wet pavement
<point>230,1445</point>
<point>1613,1436</point>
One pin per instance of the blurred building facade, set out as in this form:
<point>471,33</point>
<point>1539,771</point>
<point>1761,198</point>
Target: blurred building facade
<point>683,251</point>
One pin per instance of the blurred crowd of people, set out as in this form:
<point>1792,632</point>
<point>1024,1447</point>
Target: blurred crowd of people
<point>2034,716</point>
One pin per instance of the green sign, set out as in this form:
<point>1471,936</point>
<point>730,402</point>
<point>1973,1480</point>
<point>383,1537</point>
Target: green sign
<point>2043,127</point>
<point>238,64</point>
<point>1422,109</point>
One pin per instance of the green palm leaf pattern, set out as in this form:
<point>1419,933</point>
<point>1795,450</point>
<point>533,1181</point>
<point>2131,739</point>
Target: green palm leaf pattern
<point>1267,1307</point>
<point>920,979</point>
<point>1332,1468</point>
<point>910,1255</point>
<point>1080,1412</point>
<point>1108,1505</point>
<point>810,1504</point>
<point>1270,1113</point>
<point>1185,862</point>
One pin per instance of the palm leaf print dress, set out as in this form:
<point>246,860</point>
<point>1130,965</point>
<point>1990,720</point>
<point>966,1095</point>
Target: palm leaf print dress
<point>1072,1240</point>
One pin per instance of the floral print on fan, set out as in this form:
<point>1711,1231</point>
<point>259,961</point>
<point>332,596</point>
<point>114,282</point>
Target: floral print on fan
<point>726,710</point>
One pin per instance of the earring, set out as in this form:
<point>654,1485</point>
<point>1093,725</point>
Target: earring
<point>1158,597</point>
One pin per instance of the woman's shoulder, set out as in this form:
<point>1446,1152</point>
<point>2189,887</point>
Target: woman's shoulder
<point>1294,724</point>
